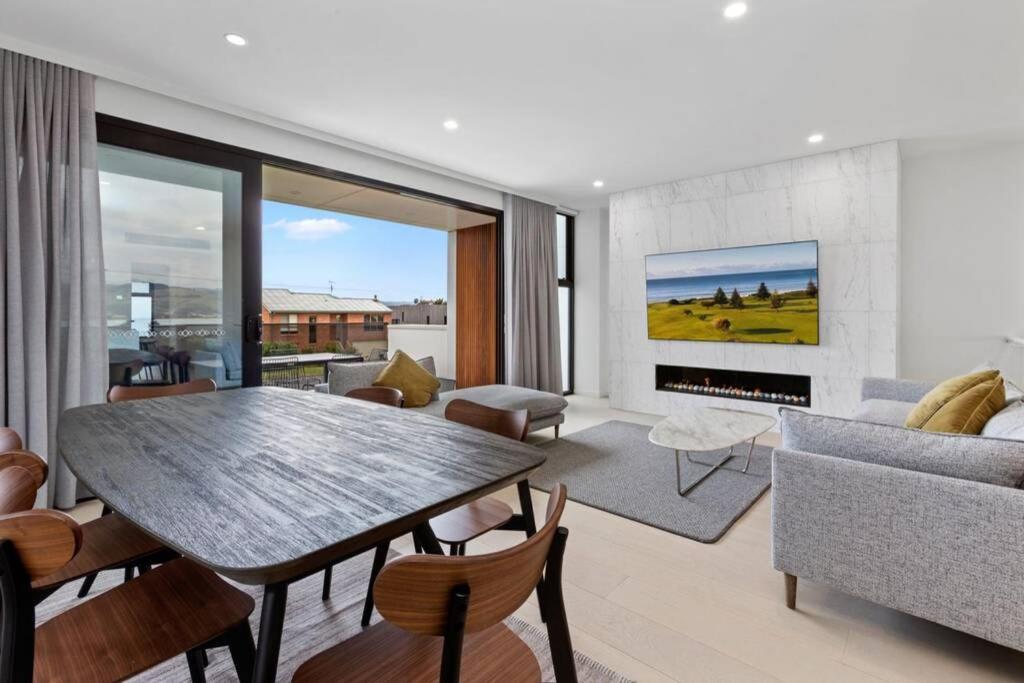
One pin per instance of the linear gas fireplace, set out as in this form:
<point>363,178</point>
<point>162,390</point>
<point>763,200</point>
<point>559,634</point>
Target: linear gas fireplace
<point>767,387</point>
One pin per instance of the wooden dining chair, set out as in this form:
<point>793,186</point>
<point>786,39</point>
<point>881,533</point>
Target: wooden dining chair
<point>139,391</point>
<point>173,610</point>
<point>463,524</point>
<point>385,396</point>
<point>9,440</point>
<point>443,617</point>
<point>110,542</point>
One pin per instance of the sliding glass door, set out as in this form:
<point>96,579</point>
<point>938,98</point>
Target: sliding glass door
<point>175,233</point>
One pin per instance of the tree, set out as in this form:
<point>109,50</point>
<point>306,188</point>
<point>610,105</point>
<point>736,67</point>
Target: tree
<point>735,300</point>
<point>720,298</point>
<point>777,300</point>
<point>762,292</point>
<point>812,289</point>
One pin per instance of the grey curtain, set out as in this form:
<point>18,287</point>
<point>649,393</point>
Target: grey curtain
<point>53,348</point>
<point>532,342</point>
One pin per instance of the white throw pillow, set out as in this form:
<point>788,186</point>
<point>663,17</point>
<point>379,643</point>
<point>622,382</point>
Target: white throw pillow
<point>1014,393</point>
<point>1008,423</point>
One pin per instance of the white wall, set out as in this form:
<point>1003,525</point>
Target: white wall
<point>591,301</point>
<point>847,200</point>
<point>144,106</point>
<point>420,341</point>
<point>962,257</point>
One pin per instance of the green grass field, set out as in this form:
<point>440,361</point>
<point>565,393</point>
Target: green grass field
<point>795,323</point>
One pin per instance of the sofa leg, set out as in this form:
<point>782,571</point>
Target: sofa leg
<point>556,430</point>
<point>790,591</point>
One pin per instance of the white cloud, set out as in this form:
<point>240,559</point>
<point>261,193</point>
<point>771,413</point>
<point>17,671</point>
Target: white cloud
<point>311,228</point>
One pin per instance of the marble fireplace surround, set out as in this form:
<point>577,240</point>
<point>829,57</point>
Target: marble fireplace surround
<point>848,200</point>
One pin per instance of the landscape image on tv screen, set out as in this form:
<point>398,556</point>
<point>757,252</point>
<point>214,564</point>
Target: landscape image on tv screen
<point>766,293</point>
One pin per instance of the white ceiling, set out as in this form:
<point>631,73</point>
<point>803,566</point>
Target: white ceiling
<point>553,94</point>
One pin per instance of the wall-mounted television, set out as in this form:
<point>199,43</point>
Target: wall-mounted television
<point>766,293</point>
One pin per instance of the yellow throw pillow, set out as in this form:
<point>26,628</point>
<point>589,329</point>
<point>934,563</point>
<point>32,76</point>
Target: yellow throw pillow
<point>968,412</point>
<point>403,373</point>
<point>943,394</point>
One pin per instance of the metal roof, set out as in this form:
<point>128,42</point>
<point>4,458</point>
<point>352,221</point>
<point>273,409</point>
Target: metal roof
<point>287,301</point>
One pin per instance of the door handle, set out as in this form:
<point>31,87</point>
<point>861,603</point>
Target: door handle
<point>254,329</point>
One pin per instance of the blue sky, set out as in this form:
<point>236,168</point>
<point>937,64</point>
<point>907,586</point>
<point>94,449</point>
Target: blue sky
<point>304,248</point>
<point>761,258</point>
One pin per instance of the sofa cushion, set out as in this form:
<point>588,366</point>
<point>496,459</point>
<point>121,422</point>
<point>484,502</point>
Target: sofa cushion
<point>539,404</point>
<point>1008,423</point>
<point>943,393</point>
<point>968,412</point>
<point>977,458</point>
<point>409,377</point>
<point>883,411</point>
<point>1013,392</point>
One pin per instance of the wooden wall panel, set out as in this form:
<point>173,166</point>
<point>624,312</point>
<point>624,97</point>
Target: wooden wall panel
<point>476,305</point>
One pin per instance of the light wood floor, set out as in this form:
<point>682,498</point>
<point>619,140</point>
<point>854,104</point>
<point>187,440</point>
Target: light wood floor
<point>658,607</point>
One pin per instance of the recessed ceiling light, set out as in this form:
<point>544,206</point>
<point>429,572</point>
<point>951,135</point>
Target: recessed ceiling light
<point>200,227</point>
<point>598,183</point>
<point>235,39</point>
<point>815,138</point>
<point>451,124</point>
<point>735,10</point>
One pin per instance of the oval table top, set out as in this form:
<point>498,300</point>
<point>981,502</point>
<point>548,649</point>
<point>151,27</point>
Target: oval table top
<point>709,429</point>
<point>266,484</point>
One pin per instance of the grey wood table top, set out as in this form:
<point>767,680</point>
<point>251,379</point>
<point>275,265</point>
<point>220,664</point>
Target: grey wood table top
<point>266,484</point>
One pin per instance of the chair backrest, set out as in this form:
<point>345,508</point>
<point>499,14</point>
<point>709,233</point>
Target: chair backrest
<point>17,490</point>
<point>45,540</point>
<point>9,440</point>
<point>415,592</point>
<point>508,423</point>
<point>383,395</point>
<point>132,393</point>
<point>36,466</point>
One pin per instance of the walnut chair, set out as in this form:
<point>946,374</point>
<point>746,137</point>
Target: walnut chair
<point>461,525</point>
<point>138,391</point>
<point>385,396</point>
<point>175,609</point>
<point>443,617</point>
<point>9,440</point>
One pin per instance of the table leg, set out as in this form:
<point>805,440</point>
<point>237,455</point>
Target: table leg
<point>275,597</point>
<point>750,452</point>
<point>714,468</point>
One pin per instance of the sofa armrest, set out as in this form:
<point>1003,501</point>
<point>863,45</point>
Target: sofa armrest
<point>945,549</point>
<point>907,390</point>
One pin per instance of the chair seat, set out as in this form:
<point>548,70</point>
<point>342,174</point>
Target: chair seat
<point>471,520</point>
<point>385,652</point>
<point>107,543</point>
<point>131,628</point>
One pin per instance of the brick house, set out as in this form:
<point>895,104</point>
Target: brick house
<point>317,322</point>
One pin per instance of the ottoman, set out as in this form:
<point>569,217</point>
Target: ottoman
<point>545,409</point>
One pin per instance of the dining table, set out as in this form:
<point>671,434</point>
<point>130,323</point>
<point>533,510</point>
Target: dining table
<point>267,486</point>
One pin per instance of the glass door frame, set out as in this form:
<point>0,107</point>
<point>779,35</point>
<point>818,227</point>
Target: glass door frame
<point>143,138</point>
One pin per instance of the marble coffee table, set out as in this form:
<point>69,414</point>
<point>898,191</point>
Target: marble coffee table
<point>709,429</point>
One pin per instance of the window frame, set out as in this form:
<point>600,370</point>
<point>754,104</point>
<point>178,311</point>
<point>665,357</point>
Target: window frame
<point>568,282</point>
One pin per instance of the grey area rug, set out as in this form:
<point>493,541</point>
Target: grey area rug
<point>613,467</point>
<point>312,625</point>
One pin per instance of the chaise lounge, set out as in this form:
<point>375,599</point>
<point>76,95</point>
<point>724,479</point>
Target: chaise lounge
<point>545,409</point>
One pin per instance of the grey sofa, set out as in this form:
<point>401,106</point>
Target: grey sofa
<point>929,524</point>
<point>545,409</point>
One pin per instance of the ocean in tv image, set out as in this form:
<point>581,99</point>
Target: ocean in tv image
<point>766,293</point>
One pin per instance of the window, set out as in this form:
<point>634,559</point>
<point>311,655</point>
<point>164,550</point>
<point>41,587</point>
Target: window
<point>373,321</point>
<point>291,324</point>
<point>564,231</point>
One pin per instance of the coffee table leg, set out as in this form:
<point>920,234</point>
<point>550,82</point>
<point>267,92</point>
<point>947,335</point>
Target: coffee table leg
<point>714,468</point>
<point>750,452</point>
